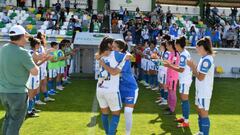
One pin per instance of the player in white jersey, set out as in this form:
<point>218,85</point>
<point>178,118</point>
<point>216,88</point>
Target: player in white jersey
<point>33,82</point>
<point>162,72</point>
<point>185,80</point>
<point>204,73</point>
<point>153,66</point>
<point>162,75</point>
<point>108,94</point>
<point>43,71</point>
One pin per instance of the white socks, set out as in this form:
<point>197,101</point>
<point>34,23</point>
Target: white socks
<point>128,111</point>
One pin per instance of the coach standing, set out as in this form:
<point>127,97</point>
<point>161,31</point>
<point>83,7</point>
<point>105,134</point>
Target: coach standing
<point>15,66</point>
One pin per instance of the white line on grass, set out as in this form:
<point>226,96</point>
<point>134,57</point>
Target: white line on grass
<point>93,116</point>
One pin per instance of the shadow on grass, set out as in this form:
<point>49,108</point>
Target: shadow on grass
<point>169,126</point>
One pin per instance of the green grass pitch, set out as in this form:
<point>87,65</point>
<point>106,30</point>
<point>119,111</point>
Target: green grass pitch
<point>76,112</point>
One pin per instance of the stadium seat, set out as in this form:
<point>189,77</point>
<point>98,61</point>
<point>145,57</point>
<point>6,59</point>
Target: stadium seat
<point>62,32</point>
<point>44,27</point>
<point>219,70</point>
<point>48,32</point>
<point>4,30</point>
<point>38,16</point>
<point>69,33</point>
<point>33,31</point>
<point>236,71</point>
<point>2,25</point>
<point>29,27</point>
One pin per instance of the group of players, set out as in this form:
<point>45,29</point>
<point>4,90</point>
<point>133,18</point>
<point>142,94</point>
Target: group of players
<point>163,67</point>
<point>54,64</point>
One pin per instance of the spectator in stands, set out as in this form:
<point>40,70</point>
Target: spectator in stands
<point>22,3</point>
<point>121,11</point>
<point>75,4</point>
<point>100,16</point>
<point>57,6</point>
<point>55,17</point>
<point>138,33</point>
<point>169,16</point>
<point>77,26</point>
<point>72,19</point>
<point>208,10</point>
<point>138,10</point>
<point>173,31</point>
<point>215,12</point>
<point>40,9</point>
<point>145,34</point>
<point>5,18</point>
<point>62,16</point>
<point>96,26</point>
<point>48,15</point>
<point>216,37</point>
<point>34,3</point>
<point>129,40</point>
<point>230,36</point>
<point>158,8</point>
<point>67,6</point>
<point>125,16</point>
<point>224,36</point>
<point>115,28</point>
<point>193,36</point>
<point>234,14</point>
<point>125,30</point>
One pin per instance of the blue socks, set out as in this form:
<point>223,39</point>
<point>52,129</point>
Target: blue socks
<point>205,125</point>
<point>185,109</point>
<point>105,123</point>
<point>199,123</point>
<point>162,93</point>
<point>146,78</point>
<point>165,95</point>
<point>59,83</point>
<point>37,97</point>
<point>30,105</point>
<point>50,85</point>
<point>45,94</point>
<point>113,125</point>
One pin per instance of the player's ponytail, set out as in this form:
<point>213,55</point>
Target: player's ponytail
<point>33,42</point>
<point>207,45</point>
<point>121,45</point>
<point>181,41</point>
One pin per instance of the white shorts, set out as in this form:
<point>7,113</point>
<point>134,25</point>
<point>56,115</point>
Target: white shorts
<point>202,103</point>
<point>68,61</point>
<point>111,100</point>
<point>42,74</point>
<point>184,88</point>
<point>33,82</point>
<point>61,70</point>
<point>52,73</point>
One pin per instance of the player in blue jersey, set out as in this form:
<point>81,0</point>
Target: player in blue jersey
<point>128,86</point>
<point>204,73</point>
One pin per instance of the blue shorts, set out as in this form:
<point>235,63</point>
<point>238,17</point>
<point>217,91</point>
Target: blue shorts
<point>129,97</point>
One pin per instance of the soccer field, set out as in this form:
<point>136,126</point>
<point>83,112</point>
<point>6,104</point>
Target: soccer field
<point>76,112</point>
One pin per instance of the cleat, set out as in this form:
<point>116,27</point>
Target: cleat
<point>155,89</point>
<point>48,99</point>
<point>183,125</point>
<point>164,102</point>
<point>60,88</point>
<point>39,102</point>
<point>32,115</point>
<point>169,113</point>
<point>36,110</point>
<point>179,120</point>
